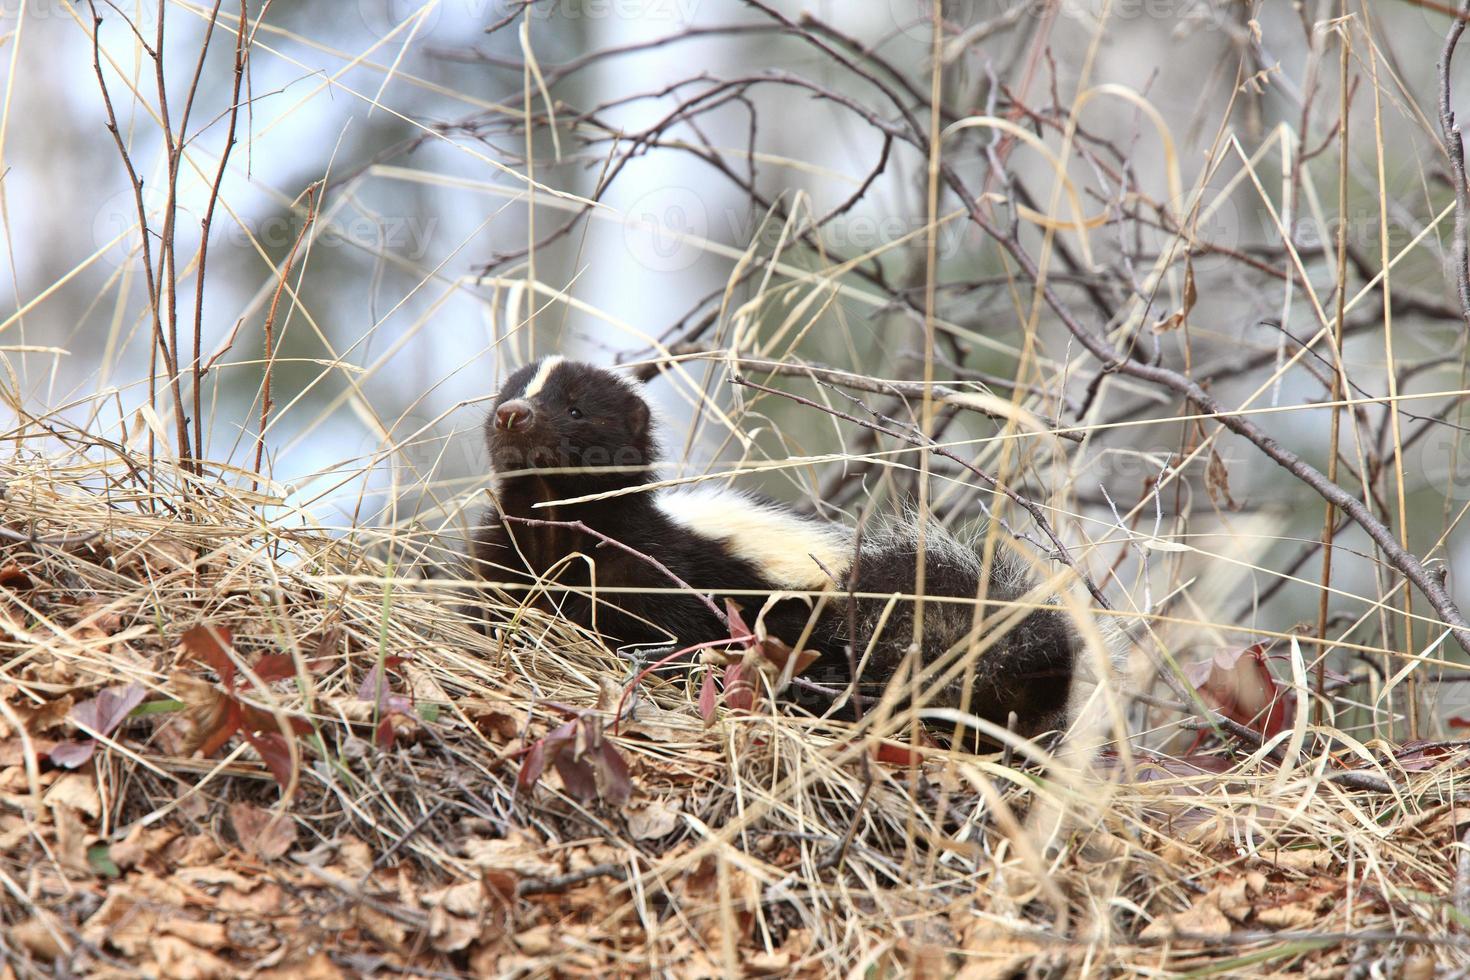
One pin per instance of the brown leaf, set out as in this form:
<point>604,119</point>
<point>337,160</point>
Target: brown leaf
<point>656,819</point>
<point>520,853</point>
<point>41,935</point>
<point>1217,482</point>
<point>78,791</point>
<point>266,834</point>
<point>318,967</point>
<point>180,959</point>
<point>211,645</point>
<point>501,726</point>
<point>210,935</point>
<point>1203,920</point>
<point>141,844</point>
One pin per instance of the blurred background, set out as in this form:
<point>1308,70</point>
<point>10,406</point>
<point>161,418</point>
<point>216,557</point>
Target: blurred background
<point>430,193</point>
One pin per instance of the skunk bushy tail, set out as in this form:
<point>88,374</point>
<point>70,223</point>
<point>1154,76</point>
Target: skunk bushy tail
<point>1026,669</point>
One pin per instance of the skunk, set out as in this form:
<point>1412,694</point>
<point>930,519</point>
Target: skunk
<point>562,432</point>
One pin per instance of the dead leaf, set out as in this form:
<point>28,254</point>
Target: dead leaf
<point>41,936</point>
<point>265,833</point>
<point>318,967</point>
<point>516,853</point>
<point>1203,920</point>
<point>387,930</point>
<point>1217,482</point>
<point>210,935</point>
<point>141,844</point>
<point>180,959</point>
<point>76,790</point>
<point>536,941</point>
<point>654,820</point>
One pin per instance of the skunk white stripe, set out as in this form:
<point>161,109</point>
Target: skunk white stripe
<point>542,375</point>
<point>790,550</point>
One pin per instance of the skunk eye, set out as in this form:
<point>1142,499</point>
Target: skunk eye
<point>574,412</point>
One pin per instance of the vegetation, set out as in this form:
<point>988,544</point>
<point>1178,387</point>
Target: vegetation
<point>1170,298</point>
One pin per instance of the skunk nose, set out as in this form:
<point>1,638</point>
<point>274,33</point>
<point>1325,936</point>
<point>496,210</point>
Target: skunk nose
<point>516,412</point>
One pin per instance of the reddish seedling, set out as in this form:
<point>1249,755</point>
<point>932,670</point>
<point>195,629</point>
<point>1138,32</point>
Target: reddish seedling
<point>228,714</point>
<point>588,763</point>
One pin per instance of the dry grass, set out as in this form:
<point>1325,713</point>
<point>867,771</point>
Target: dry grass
<point>767,843</point>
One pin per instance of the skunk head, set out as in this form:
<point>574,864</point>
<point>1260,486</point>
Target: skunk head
<point>589,424</point>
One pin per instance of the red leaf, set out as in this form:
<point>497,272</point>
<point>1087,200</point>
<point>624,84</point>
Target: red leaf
<point>107,710</point>
<point>229,723</point>
<point>588,764</point>
<point>15,578</point>
<point>577,776</point>
<point>212,644</point>
<point>778,652</point>
<point>1239,684</point>
<point>258,720</point>
<point>897,755</point>
<point>617,784</point>
<point>738,629</point>
<point>274,667</point>
<point>739,690</point>
<point>385,733</point>
<point>72,755</point>
<point>274,752</point>
<point>707,698</point>
<point>533,766</point>
<point>376,685</point>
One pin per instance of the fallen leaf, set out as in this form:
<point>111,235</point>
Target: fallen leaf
<point>266,834</point>
<point>1203,920</point>
<point>655,820</point>
<point>76,790</point>
<point>1240,685</point>
<point>41,936</point>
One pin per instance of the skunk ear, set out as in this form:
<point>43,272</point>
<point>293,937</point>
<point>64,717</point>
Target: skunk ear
<point>638,418</point>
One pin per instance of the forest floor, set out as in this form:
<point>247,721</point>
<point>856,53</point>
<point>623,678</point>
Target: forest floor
<point>233,748</point>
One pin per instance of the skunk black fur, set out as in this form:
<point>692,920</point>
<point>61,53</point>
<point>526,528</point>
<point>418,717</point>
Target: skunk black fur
<point>563,430</point>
